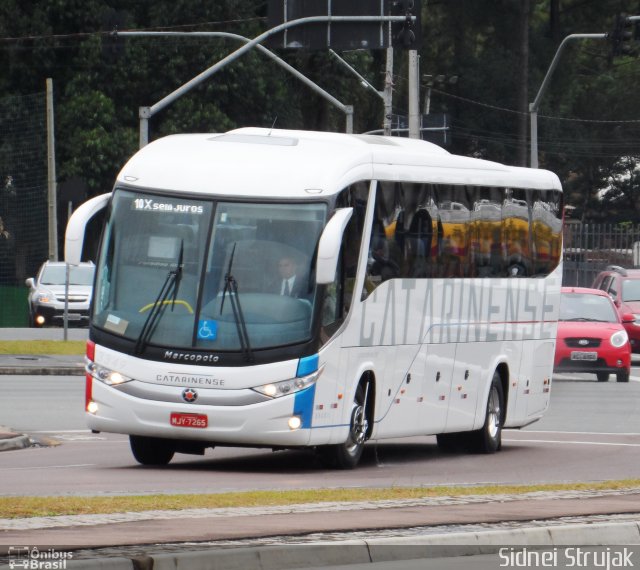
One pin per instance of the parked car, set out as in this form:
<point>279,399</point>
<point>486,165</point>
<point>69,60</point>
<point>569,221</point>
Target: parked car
<point>624,287</point>
<point>47,294</point>
<point>591,336</point>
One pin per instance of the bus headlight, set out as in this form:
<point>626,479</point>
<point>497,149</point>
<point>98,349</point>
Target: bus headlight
<point>619,338</point>
<point>105,375</point>
<point>291,386</point>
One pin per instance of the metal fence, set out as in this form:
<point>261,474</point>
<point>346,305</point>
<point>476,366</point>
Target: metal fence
<point>590,248</point>
<point>23,201</point>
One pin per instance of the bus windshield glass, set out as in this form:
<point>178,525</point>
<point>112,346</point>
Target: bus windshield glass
<point>187,273</point>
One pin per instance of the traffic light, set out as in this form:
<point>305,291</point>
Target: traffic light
<point>622,37</point>
<point>112,45</point>
<point>406,34</point>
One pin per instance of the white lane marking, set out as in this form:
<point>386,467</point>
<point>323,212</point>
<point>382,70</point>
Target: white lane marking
<point>63,431</point>
<point>47,467</point>
<point>572,442</point>
<point>549,432</point>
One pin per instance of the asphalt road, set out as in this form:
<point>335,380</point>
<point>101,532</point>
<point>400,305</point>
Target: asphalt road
<point>586,420</point>
<point>591,432</point>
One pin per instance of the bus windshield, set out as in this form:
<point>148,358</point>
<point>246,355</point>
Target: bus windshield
<point>201,274</point>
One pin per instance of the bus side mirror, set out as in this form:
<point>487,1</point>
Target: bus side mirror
<point>329,246</point>
<point>77,224</point>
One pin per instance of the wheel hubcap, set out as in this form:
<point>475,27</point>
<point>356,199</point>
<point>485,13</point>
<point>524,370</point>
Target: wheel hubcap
<point>493,412</point>
<point>359,425</point>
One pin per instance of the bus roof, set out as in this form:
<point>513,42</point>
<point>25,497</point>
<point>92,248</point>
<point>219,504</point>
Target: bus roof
<point>256,162</point>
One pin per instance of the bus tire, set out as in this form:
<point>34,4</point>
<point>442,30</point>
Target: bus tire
<point>347,455</point>
<point>602,376</point>
<point>151,450</point>
<point>488,439</point>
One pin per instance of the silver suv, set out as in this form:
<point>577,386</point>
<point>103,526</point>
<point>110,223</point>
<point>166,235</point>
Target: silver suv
<point>47,290</point>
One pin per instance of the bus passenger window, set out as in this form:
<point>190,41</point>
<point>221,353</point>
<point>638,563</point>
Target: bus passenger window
<point>382,266</point>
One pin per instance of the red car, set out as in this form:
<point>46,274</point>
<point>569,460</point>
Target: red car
<point>624,287</point>
<point>591,336</point>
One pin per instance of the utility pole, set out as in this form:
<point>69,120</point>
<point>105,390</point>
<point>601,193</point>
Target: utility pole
<point>388,92</point>
<point>51,176</point>
<point>414,95</point>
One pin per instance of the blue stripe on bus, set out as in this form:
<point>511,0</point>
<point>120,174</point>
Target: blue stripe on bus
<point>303,406</point>
<point>307,365</point>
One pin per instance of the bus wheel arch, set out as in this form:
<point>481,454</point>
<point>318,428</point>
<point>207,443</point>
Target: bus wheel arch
<point>368,383</point>
<point>503,370</point>
<point>347,455</point>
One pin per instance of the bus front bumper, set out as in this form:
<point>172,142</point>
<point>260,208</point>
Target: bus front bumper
<point>261,424</point>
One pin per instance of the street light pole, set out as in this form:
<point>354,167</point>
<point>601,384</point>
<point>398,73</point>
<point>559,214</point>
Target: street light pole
<point>148,112</point>
<point>145,113</point>
<point>533,107</point>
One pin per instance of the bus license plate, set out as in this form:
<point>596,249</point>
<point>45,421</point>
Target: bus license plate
<point>578,355</point>
<point>189,420</point>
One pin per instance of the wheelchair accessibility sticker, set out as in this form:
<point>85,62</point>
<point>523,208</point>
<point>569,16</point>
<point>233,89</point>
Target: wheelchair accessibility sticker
<point>207,329</point>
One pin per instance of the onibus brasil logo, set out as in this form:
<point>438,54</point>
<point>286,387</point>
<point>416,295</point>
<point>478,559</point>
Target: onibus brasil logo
<point>32,557</point>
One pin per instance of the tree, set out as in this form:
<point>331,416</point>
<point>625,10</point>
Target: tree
<point>498,49</point>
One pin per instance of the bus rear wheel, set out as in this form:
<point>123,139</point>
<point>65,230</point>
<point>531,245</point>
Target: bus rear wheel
<point>347,455</point>
<point>151,450</point>
<point>488,439</point>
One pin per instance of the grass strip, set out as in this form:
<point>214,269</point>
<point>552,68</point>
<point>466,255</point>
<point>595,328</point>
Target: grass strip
<point>42,347</point>
<point>28,506</point>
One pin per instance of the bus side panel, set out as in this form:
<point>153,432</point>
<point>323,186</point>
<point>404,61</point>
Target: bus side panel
<point>515,400</point>
<point>540,389</point>
<point>438,372</point>
<point>530,390</point>
<point>400,403</point>
<point>331,405</point>
<point>472,364</point>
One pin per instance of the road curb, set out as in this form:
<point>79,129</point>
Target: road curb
<point>424,547</point>
<point>376,550</point>
<point>10,440</point>
<point>19,441</point>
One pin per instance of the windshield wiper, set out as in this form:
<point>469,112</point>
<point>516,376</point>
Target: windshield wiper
<point>170,286</point>
<point>231,285</point>
<point>178,275</point>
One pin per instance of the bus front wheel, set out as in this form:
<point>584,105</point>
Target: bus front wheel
<point>347,455</point>
<point>151,450</point>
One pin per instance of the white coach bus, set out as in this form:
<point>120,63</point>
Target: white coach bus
<point>290,289</point>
